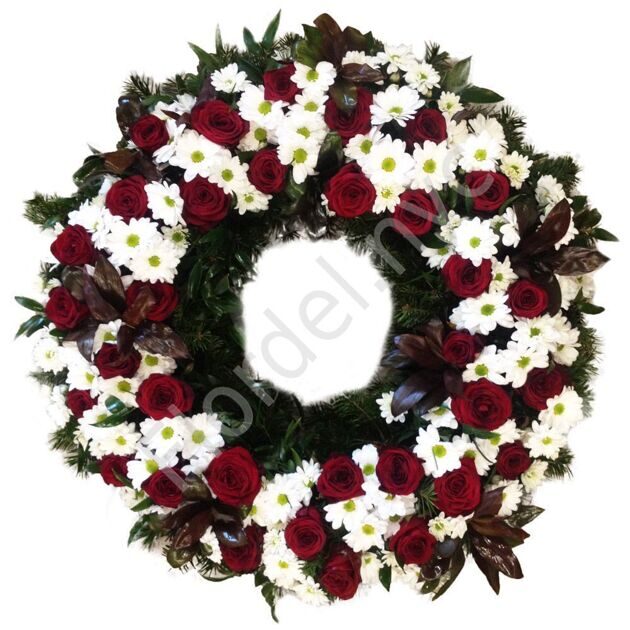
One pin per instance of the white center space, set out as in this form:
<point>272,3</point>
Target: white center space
<point>316,318</point>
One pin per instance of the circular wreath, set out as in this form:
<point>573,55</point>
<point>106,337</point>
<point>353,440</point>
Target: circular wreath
<point>331,134</point>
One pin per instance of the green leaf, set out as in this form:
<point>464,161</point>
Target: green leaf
<point>31,305</point>
<point>114,405</point>
<point>456,79</point>
<point>385,577</point>
<point>603,235</point>
<point>143,505</point>
<point>113,420</point>
<point>590,309</point>
<point>479,433</point>
<point>31,326</point>
<point>205,58</point>
<point>271,31</point>
<point>474,94</point>
<point>218,40</point>
<point>194,280</point>
<point>250,42</point>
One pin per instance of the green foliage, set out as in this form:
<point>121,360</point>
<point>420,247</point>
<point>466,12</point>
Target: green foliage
<point>46,210</point>
<point>560,467</point>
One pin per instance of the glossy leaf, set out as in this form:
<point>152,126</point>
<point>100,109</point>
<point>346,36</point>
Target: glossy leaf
<point>84,338</point>
<point>344,93</point>
<point>100,309</point>
<point>490,505</point>
<point>28,303</point>
<point>577,261</point>
<point>525,515</point>
<point>457,564</point>
<point>137,312</point>
<point>456,78</point>
<point>109,282</point>
<point>492,575</point>
<point>419,350</point>
<point>553,230</point>
<point>191,531</point>
<point>158,338</point>
<point>361,73</point>
<point>494,527</point>
<point>271,31</point>
<point>32,325</point>
<point>413,390</point>
<point>497,555</point>
<point>474,94</point>
<point>72,279</point>
<point>178,558</point>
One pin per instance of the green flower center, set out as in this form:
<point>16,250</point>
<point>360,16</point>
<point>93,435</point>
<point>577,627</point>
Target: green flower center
<point>283,499</point>
<point>109,336</point>
<point>249,198</point>
<point>349,506</point>
<point>152,466</point>
<point>481,370</point>
<point>227,175</point>
<point>312,75</point>
<point>304,132</point>
<point>197,156</point>
<point>487,309</point>
<point>310,106</point>
<point>388,164</point>
<point>167,433</point>
<point>151,361</point>
<point>534,332</point>
<point>523,362</point>
<point>120,440</point>
<point>481,155</point>
<point>368,529</point>
<point>260,134</point>
<point>264,108</point>
<point>198,436</point>
<point>396,110</point>
<point>439,450</point>
<point>154,261</point>
<point>124,386</point>
<point>547,441</point>
<point>499,277</point>
<point>366,146</point>
<point>299,156</point>
<point>369,469</point>
<point>133,240</point>
<point>475,241</point>
<point>169,201</point>
<point>429,166</point>
<point>558,409</point>
<point>178,237</point>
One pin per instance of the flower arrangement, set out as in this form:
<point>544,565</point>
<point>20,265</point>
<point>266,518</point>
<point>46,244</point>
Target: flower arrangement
<point>331,134</point>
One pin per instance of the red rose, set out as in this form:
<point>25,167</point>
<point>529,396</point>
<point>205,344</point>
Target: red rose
<point>149,133</point>
<point>399,471</point>
<point>162,396</point>
<point>111,363</point>
<point>164,487</point>
<point>234,477</point>
<point>350,193</point>
<point>543,384</point>
<point>415,213</point>
<point>63,310</point>
<point>112,467</point>
<point>218,122</point>
<point>245,559</point>
<point>461,348</point>
<point>527,299</point>
<point>205,204</point>
<point>165,299</point>
<point>305,534</point>
<point>73,246</point>
<point>413,543</point>
<point>483,405</point>
<point>341,479</point>
<point>279,86</point>
<point>513,460</point>
<point>79,401</point>
<point>428,124</point>
<point>266,172</point>
<point>489,190</point>
<point>341,574</point>
<point>459,491</point>
<point>127,198</point>
<point>464,279</point>
<point>349,123</point>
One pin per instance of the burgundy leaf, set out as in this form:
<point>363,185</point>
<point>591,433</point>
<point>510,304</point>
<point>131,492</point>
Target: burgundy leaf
<point>417,348</point>
<point>157,338</point>
<point>176,520</point>
<point>354,39</point>
<point>412,391</point>
<point>118,162</point>
<point>227,525</point>
<point>72,279</point>
<point>492,575</point>
<point>191,531</point>
<point>490,503</point>
<point>526,216</point>
<point>553,229</point>
<point>333,43</point>
<point>195,489</point>
<point>207,92</point>
<point>125,338</point>
<point>129,109</point>
<point>497,555</point>
<point>84,338</point>
<point>397,360</point>
<point>494,527</point>
<point>100,309</point>
<point>146,167</point>
<point>576,261</point>
<point>137,312</point>
<point>433,399</point>
<point>453,382</point>
<point>109,282</point>
<point>361,73</point>
<point>344,93</point>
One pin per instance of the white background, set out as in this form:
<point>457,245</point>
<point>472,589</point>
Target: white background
<point>63,554</point>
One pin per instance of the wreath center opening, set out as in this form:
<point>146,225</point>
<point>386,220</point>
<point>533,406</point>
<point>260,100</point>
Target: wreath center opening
<point>316,318</point>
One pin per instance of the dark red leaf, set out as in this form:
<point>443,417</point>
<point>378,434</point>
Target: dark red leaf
<point>494,527</point>
<point>84,338</point>
<point>191,531</point>
<point>195,489</point>
<point>453,382</point>
<point>100,308</point>
<point>490,505</point>
<point>118,162</point>
<point>72,279</point>
<point>418,349</point>
<point>129,109</point>
<point>361,73</point>
<point>125,338</point>
<point>492,575</point>
<point>553,229</point>
<point>413,390</point>
<point>157,338</point>
<point>497,555</point>
<point>137,312</point>
<point>109,282</point>
<point>344,93</point>
<point>227,525</point>
<point>576,261</point>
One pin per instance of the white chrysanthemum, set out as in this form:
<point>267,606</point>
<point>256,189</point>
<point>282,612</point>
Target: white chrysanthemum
<point>95,218</point>
<point>48,355</point>
<point>424,77</point>
<point>107,332</point>
<point>489,365</point>
<point>438,456</point>
<point>367,535</point>
<point>456,133</point>
<point>450,104</point>
<point>520,359</point>
<point>348,514</point>
<point>250,199</point>
<point>570,286</point>
<point>198,464</point>
<point>511,497</point>
<point>366,459</point>
<point>256,138</point>
<point>155,364</point>
<point>310,592</point>
<point>253,106</point>
<point>118,440</point>
<point>278,501</point>
<point>202,434</point>
<point>480,152</point>
<point>389,507</point>
<point>81,374</point>
<point>389,163</point>
<point>516,168</point>
<point>370,568</point>
<point>490,125</point>
<point>163,436</point>
<point>302,154</point>
<point>195,154</point>
<point>360,146</point>
<point>566,351</point>
<point>434,166</point>
<point>483,314</point>
<point>475,240</point>
<point>544,441</point>
<point>484,455</point>
<point>229,79</point>
<point>229,174</point>
<point>395,103</point>
<point>453,220</point>
<point>563,411</point>
<point>283,567</point>
<point>57,410</point>
<point>167,151</point>
<point>128,240</point>
<point>502,275</point>
<point>441,416</point>
<point>165,202</point>
<point>385,405</point>
<point>157,262</point>
<point>569,235</point>
<point>540,333</point>
<point>443,526</point>
<point>510,234</point>
<point>211,547</point>
<point>549,191</point>
<point>312,102</point>
<point>146,464</point>
<point>397,58</point>
<point>177,236</point>
<point>534,475</point>
<point>360,58</point>
<point>436,258</point>
<point>122,388</point>
<point>387,197</point>
<point>304,124</point>
<point>319,78</point>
